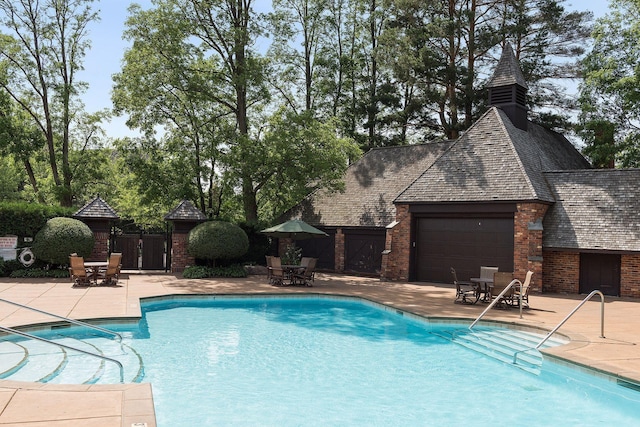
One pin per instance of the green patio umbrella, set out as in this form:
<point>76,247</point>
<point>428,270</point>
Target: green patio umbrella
<point>294,229</point>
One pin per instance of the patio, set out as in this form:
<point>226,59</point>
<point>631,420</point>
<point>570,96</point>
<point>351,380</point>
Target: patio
<point>30,404</point>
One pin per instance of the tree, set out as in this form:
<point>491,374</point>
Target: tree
<point>610,93</point>
<point>42,55</point>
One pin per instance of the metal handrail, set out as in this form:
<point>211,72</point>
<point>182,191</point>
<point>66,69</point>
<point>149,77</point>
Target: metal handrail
<point>553,331</point>
<point>68,347</point>
<point>495,301</point>
<point>76,322</point>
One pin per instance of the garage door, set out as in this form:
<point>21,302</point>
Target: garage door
<point>322,248</point>
<point>462,243</point>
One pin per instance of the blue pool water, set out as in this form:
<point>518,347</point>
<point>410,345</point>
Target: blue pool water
<point>322,362</point>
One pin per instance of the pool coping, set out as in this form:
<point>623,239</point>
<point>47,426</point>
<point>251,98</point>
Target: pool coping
<point>123,303</point>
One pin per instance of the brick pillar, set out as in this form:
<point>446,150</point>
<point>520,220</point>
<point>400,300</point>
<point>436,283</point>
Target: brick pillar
<point>397,251</point>
<point>100,250</point>
<point>527,242</point>
<point>180,259</point>
<point>630,275</point>
<point>339,251</point>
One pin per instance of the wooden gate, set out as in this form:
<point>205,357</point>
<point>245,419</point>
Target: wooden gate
<point>363,250</point>
<point>146,252</point>
<point>601,272</point>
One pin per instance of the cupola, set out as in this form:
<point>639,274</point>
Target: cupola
<point>508,89</point>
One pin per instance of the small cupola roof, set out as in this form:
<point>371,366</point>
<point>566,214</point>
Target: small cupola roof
<point>96,209</point>
<point>508,89</point>
<point>508,71</point>
<point>185,211</point>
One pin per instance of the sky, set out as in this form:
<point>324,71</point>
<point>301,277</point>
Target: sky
<point>105,57</point>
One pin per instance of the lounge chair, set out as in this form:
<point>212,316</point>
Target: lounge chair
<point>502,279</point>
<point>77,271</point>
<point>466,292</point>
<point>110,275</point>
<point>307,276</point>
<point>525,292</point>
<point>278,278</point>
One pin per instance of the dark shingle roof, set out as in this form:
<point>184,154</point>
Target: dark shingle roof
<point>96,209</point>
<point>508,71</point>
<point>371,185</point>
<point>495,161</point>
<point>594,209</point>
<point>185,211</point>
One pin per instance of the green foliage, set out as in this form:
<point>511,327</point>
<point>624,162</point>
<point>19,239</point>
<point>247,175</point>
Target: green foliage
<point>8,267</point>
<point>213,240</point>
<point>60,237</point>
<point>54,273</point>
<point>292,255</point>
<point>259,244</point>
<point>201,272</point>
<point>610,93</point>
<point>25,219</point>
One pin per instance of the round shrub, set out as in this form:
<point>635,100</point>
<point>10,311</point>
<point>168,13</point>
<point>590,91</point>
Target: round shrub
<point>217,240</point>
<point>60,237</point>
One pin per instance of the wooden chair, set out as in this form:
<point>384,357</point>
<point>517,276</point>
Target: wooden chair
<point>77,272</point>
<point>110,275</point>
<point>307,276</point>
<point>466,292</point>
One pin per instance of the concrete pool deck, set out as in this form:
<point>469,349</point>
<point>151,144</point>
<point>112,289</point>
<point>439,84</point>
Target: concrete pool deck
<point>36,405</point>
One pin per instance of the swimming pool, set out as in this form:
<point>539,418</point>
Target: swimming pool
<point>301,361</point>
<point>329,361</point>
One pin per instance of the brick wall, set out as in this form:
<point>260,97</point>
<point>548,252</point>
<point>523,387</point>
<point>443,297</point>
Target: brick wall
<point>527,243</point>
<point>561,272</point>
<point>100,250</point>
<point>179,256</point>
<point>630,275</point>
<point>395,261</point>
<point>339,248</point>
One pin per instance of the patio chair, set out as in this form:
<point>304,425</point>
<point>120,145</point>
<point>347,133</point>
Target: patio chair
<point>502,279</point>
<point>77,272</point>
<point>525,291</point>
<point>278,277</point>
<point>307,277</point>
<point>110,275</point>
<point>466,292</point>
<point>486,280</point>
<point>269,265</point>
<point>304,261</point>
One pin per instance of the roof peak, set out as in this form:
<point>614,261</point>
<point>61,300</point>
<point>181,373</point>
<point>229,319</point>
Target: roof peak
<point>508,70</point>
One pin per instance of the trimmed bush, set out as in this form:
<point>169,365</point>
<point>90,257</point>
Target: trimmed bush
<point>60,237</point>
<point>214,240</point>
<point>201,272</point>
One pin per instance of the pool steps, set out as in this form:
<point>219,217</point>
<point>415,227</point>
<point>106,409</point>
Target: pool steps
<point>35,361</point>
<point>502,344</point>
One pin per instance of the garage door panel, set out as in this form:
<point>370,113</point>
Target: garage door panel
<point>462,243</point>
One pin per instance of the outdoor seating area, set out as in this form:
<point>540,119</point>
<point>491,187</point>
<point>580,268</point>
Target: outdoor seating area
<point>94,273</point>
<point>489,287</point>
<point>302,274</point>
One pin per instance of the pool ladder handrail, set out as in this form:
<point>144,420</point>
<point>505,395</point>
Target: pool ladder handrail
<point>76,322</point>
<point>559,325</point>
<point>513,283</point>
<point>65,346</point>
